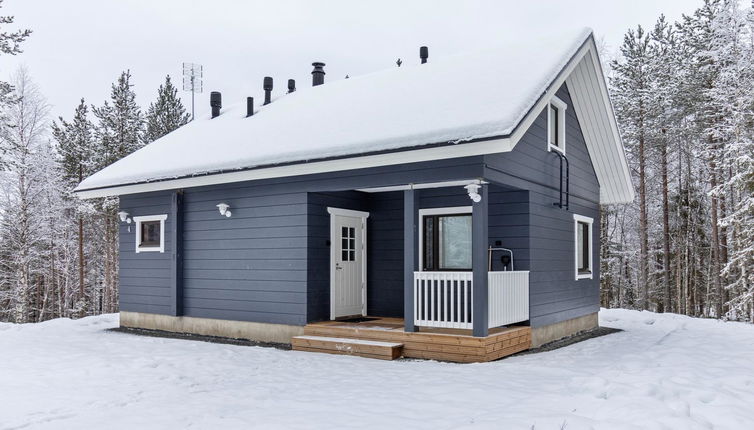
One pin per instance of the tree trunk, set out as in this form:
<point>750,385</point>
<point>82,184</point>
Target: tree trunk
<point>715,269</point>
<point>644,237</point>
<point>81,248</point>
<point>665,225</point>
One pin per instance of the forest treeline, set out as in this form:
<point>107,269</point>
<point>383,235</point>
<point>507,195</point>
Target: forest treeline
<point>683,93</point>
<point>58,253</point>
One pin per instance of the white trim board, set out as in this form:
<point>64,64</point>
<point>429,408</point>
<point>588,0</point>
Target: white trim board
<point>576,220</point>
<point>138,220</point>
<point>354,214</point>
<point>356,162</point>
<point>435,211</point>
<point>421,186</point>
<point>561,106</point>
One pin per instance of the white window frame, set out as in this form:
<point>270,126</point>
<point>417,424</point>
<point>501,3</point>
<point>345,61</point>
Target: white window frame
<point>455,210</point>
<point>590,221</point>
<point>561,106</point>
<point>148,218</point>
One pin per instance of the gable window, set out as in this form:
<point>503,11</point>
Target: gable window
<point>445,242</point>
<point>150,233</point>
<point>583,246</point>
<point>556,125</point>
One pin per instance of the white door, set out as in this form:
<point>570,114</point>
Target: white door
<point>347,263</point>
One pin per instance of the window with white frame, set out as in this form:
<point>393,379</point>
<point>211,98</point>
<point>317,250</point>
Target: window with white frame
<point>583,246</point>
<point>556,110</point>
<point>445,239</point>
<point>150,233</point>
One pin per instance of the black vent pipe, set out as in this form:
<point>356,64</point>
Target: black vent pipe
<point>267,85</point>
<point>291,86</point>
<point>562,158</point>
<point>424,54</point>
<point>249,106</point>
<point>216,103</point>
<point>318,74</point>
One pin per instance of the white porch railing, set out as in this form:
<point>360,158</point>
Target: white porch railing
<point>508,297</point>
<point>444,299</point>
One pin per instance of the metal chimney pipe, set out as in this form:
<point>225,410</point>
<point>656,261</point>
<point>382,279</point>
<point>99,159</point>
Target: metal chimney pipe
<point>216,103</point>
<point>318,74</point>
<point>249,106</point>
<point>267,85</point>
<point>291,86</point>
<point>424,54</point>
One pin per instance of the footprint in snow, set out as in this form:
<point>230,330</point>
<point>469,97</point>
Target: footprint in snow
<point>649,322</point>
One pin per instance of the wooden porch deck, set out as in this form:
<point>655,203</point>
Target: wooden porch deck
<point>434,344</point>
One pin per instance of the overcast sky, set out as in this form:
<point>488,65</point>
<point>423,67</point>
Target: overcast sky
<point>79,47</point>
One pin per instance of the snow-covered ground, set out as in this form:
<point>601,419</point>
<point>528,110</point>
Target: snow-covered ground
<point>663,371</point>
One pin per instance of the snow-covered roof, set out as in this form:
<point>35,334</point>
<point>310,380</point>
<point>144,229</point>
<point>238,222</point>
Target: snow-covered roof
<point>455,99</point>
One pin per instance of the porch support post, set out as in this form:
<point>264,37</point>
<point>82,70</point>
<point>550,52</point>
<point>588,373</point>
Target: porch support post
<point>409,257</point>
<point>479,245</point>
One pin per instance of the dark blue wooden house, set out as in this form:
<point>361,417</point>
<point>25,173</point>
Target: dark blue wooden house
<point>445,210</point>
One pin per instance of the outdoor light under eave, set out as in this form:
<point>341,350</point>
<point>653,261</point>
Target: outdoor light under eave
<point>123,215</point>
<point>473,190</point>
<point>224,209</point>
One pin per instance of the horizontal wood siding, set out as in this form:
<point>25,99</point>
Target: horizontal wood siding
<point>256,265</point>
<point>385,249</point>
<point>554,293</point>
<point>251,266</point>
<point>145,277</point>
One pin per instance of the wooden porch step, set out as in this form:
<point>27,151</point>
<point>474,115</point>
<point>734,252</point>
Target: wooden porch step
<point>348,346</point>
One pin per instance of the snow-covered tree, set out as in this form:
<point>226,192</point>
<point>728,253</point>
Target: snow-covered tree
<point>166,114</point>
<point>120,123</point>
<point>22,229</point>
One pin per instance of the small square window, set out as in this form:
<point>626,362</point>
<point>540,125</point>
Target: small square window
<point>150,233</point>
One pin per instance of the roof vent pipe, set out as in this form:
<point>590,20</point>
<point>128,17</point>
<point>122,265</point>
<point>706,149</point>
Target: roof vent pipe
<point>291,86</point>
<point>424,54</point>
<point>318,74</point>
<point>249,106</point>
<point>216,102</point>
<point>267,85</point>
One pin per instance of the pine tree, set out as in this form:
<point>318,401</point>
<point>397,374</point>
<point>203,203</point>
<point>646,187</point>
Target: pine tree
<point>120,126</point>
<point>75,146</point>
<point>632,93</point>
<point>118,134</point>
<point>166,114</point>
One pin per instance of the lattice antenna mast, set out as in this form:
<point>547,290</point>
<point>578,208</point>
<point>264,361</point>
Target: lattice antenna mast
<point>192,81</point>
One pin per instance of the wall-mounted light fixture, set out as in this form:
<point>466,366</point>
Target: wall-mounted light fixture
<point>224,209</point>
<point>473,190</point>
<point>123,215</point>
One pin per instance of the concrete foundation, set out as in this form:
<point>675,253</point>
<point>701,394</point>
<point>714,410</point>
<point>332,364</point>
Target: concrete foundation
<point>548,333</point>
<point>279,333</point>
